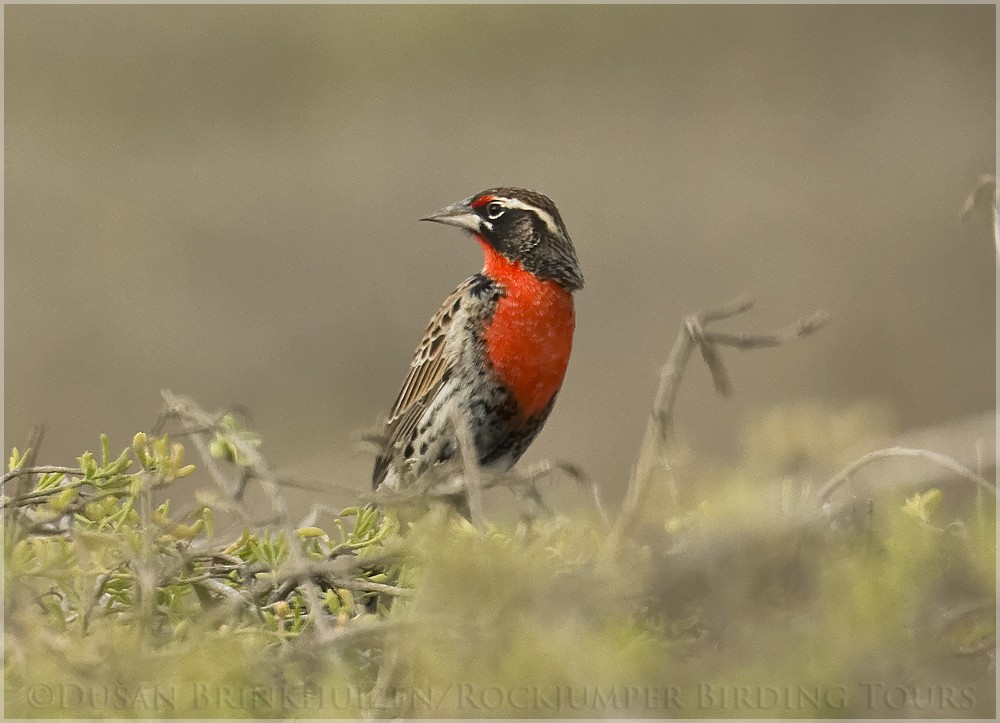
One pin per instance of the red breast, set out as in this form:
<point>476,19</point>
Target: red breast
<point>530,337</point>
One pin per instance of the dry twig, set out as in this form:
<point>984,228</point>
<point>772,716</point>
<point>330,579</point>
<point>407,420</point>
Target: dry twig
<point>45,469</point>
<point>985,188</point>
<point>938,459</point>
<point>693,333</point>
<point>35,438</point>
<point>471,475</point>
<point>194,417</point>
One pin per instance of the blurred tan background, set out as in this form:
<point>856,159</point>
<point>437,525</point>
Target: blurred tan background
<point>223,200</point>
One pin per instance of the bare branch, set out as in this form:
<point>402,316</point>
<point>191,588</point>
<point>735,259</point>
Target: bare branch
<point>45,469</point>
<point>985,188</point>
<point>470,465</point>
<point>315,606</point>
<point>546,467</point>
<point>35,438</point>
<point>692,333</point>
<point>231,594</point>
<point>801,328</point>
<point>31,498</point>
<point>739,305</point>
<point>224,484</point>
<point>938,459</point>
<point>187,410</point>
<point>720,378</point>
<point>370,586</point>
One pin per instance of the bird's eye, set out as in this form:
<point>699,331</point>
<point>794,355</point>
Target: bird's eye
<point>495,210</point>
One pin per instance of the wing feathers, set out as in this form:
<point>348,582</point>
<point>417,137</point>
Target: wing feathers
<point>428,371</point>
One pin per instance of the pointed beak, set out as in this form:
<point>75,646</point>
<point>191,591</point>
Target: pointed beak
<point>458,214</point>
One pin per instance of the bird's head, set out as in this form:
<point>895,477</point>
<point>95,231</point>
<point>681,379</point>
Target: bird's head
<point>522,226</point>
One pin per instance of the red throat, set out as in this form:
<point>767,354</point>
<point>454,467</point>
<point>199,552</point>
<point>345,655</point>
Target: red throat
<point>530,337</point>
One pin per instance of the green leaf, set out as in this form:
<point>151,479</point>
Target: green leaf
<point>105,450</point>
<point>141,449</point>
<point>16,459</point>
<point>88,465</point>
<point>60,502</point>
<point>923,505</point>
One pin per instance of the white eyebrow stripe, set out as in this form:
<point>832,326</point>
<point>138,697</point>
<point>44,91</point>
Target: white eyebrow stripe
<point>522,206</point>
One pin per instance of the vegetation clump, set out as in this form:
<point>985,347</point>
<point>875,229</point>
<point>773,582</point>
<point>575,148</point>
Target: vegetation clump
<point>769,587</point>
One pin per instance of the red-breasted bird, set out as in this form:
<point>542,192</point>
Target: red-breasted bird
<point>496,351</point>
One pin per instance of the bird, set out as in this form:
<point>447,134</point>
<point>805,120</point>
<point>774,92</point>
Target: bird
<point>495,354</point>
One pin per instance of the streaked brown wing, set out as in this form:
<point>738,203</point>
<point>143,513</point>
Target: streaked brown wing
<point>428,371</point>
